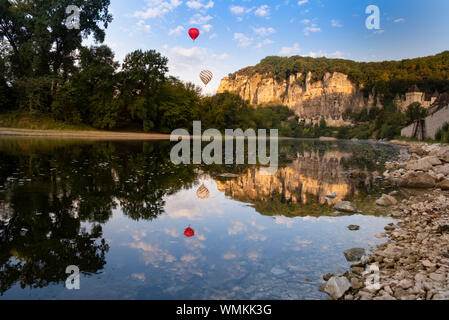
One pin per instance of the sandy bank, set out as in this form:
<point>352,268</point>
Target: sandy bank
<point>95,135</point>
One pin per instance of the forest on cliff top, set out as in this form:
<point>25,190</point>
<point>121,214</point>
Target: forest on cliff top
<point>387,78</point>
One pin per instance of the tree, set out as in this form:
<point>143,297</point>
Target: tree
<point>142,77</point>
<point>88,96</point>
<point>414,112</point>
<point>42,47</point>
<point>178,105</point>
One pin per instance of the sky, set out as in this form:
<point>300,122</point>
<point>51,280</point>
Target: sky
<point>239,33</point>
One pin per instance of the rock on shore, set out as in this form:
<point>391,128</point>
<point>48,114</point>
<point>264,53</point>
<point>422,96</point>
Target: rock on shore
<point>414,262</point>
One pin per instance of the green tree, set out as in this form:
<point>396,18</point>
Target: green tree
<point>414,112</point>
<point>42,46</point>
<point>142,78</point>
<point>178,104</point>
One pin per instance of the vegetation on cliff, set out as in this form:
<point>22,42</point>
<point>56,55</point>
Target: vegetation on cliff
<point>387,78</point>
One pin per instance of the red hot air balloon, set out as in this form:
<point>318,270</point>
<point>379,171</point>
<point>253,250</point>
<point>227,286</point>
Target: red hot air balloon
<point>189,232</point>
<point>194,33</point>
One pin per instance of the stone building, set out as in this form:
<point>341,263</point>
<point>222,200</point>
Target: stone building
<point>428,127</point>
<point>413,95</point>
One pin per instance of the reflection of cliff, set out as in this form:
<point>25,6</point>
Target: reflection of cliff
<point>310,176</point>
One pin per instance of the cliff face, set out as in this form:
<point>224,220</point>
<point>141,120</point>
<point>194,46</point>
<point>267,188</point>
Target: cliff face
<point>311,101</point>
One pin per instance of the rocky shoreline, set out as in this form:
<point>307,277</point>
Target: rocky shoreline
<point>413,264</point>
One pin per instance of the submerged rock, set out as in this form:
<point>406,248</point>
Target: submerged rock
<point>277,271</point>
<point>345,206</point>
<point>354,254</point>
<point>327,276</point>
<point>386,201</point>
<point>332,195</point>
<point>353,227</point>
<point>336,287</point>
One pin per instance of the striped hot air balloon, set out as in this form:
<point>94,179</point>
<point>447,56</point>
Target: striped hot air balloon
<point>206,76</point>
<point>203,192</point>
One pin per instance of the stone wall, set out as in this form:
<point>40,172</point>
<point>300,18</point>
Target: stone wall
<point>433,123</point>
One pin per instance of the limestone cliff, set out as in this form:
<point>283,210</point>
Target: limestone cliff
<point>310,100</point>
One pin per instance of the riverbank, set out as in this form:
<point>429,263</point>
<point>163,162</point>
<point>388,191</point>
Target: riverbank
<point>413,264</point>
<point>83,134</point>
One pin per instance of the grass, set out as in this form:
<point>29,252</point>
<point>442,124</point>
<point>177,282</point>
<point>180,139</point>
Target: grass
<point>26,120</point>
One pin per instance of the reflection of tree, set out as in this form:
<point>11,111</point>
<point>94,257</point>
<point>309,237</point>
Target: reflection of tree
<point>42,238</point>
<point>74,185</point>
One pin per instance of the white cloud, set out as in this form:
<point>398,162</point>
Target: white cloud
<point>196,53</point>
<point>399,20</point>
<point>195,4</point>
<point>141,26</point>
<point>288,222</point>
<point>301,2</point>
<point>290,51</point>
<point>237,10</point>
<point>264,32</point>
<point>264,43</point>
<point>157,9</point>
<point>257,237</point>
<point>229,256</point>
<point>336,23</point>
<point>306,21</point>
<point>199,19</point>
<point>263,11</point>
<point>139,276</point>
<point>220,57</point>
<point>171,232</point>
<point>176,31</point>
<point>206,28</point>
<point>318,54</point>
<point>379,31</point>
<point>312,28</point>
<point>213,36</point>
<point>237,228</point>
<point>240,11</point>
<point>243,40</point>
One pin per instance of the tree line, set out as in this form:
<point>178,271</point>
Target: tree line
<point>45,69</point>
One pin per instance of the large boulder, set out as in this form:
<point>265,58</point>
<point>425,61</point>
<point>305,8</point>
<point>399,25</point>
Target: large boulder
<point>443,185</point>
<point>354,254</point>
<point>417,148</point>
<point>443,154</point>
<point>336,287</point>
<point>423,164</point>
<point>417,180</point>
<point>444,169</point>
<point>345,206</point>
<point>386,201</point>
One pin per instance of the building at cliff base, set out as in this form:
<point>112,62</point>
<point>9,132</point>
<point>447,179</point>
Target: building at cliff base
<point>428,127</point>
<point>414,95</point>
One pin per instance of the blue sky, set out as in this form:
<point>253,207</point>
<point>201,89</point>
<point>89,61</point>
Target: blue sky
<point>239,33</point>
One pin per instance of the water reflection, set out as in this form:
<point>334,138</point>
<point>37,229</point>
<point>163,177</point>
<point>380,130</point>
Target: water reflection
<point>124,203</point>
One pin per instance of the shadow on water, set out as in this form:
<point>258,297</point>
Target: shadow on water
<point>57,196</point>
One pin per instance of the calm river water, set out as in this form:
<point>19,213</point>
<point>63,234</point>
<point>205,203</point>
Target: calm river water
<point>119,211</point>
